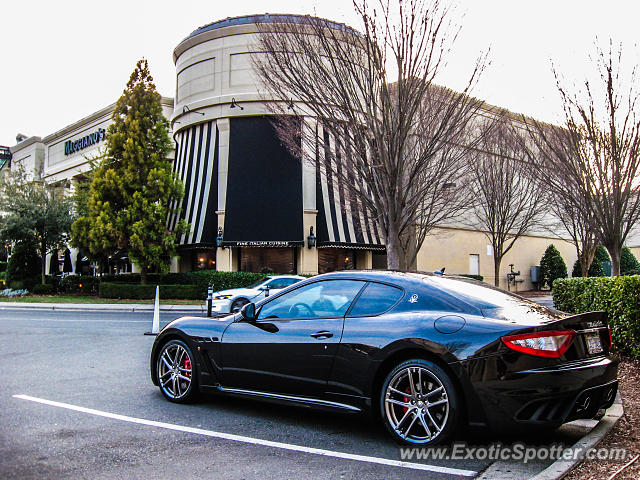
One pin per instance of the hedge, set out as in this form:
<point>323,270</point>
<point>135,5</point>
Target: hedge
<point>618,296</point>
<point>129,291</point>
<point>79,284</point>
<point>40,289</point>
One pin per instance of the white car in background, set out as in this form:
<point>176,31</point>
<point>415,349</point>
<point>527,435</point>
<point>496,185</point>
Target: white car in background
<point>232,300</point>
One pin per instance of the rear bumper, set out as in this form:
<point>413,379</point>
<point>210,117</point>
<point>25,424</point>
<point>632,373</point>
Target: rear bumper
<point>548,397</point>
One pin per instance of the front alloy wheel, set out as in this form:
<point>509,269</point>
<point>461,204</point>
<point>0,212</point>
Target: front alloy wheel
<point>418,403</point>
<point>176,372</point>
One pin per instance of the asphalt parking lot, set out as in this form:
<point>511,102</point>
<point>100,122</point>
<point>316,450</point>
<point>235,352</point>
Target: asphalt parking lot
<point>77,402</point>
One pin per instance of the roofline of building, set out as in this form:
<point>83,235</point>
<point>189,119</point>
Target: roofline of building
<point>105,111</point>
<point>246,24</point>
<point>25,143</point>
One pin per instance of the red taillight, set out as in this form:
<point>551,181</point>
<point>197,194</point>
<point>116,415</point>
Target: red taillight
<point>610,338</point>
<point>550,344</point>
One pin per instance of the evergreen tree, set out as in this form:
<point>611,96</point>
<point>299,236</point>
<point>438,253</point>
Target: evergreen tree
<point>628,262</point>
<point>595,270</point>
<point>552,266</point>
<point>601,254</point>
<point>132,189</point>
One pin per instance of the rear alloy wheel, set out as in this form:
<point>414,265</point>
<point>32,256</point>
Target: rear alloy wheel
<point>237,305</point>
<point>418,403</point>
<point>176,373</point>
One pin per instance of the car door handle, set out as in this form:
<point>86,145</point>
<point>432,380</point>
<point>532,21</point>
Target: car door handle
<point>322,335</point>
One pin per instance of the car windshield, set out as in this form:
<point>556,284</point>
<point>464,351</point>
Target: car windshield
<point>259,282</point>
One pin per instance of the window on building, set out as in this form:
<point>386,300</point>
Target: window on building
<point>474,264</point>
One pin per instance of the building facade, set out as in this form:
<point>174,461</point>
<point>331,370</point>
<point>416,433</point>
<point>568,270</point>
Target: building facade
<point>251,205</point>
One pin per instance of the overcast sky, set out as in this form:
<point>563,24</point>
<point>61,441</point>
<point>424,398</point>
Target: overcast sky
<point>64,60</point>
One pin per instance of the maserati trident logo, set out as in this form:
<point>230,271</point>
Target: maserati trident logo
<point>414,298</point>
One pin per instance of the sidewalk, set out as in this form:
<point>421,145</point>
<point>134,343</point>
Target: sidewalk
<point>109,307</point>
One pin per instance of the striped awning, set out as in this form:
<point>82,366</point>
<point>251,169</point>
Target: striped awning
<point>196,165</point>
<point>342,222</point>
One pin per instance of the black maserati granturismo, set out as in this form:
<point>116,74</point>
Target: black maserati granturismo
<point>426,353</point>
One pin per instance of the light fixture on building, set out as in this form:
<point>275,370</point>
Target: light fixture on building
<point>311,239</point>
<point>234,104</point>
<point>186,109</point>
<point>219,238</point>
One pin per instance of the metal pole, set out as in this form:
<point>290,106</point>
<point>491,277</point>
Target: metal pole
<point>209,299</point>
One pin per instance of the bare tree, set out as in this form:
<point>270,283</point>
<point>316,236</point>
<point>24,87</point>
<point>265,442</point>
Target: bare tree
<point>509,200</point>
<point>603,124</point>
<point>397,147</point>
<point>555,156</point>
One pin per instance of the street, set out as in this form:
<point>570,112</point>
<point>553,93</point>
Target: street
<point>61,363</point>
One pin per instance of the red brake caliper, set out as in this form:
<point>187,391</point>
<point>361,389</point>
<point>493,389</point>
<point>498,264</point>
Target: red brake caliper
<point>406,400</point>
<point>187,365</point>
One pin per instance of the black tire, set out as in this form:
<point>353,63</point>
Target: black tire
<point>426,413</point>
<point>174,365</point>
<point>237,304</point>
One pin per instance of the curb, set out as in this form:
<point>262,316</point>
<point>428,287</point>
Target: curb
<point>104,307</point>
<point>560,467</point>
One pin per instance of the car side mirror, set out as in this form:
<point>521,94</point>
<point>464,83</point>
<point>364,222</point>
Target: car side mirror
<point>248,312</point>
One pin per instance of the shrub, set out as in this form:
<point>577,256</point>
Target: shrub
<point>40,289</point>
<point>602,255</point>
<point>8,292</point>
<point>595,270</point>
<point>469,275</point>
<point>3,266</point>
<point>617,296</point>
<point>129,291</point>
<point>628,262</point>
<point>79,284</point>
<point>24,267</point>
<point>552,266</point>
<point>222,280</point>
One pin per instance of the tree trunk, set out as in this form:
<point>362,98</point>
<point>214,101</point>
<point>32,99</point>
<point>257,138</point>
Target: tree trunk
<point>584,265</point>
<point>615,251</point>
<point>143,275</point>
<point>43,265</point>
<point>394,250</point>
<point>496,269</point>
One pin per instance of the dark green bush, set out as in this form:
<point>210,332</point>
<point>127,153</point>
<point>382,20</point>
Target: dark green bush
<point>40,289</point>
<point>595,270</point>
<point>628,262</point>
<point>602,255</point>
<point>552,266</point>
<point>3,266</point>
<point>152,278</point>
<point>24,266</point>
<point>222,280</point>
<point>129,291</point>
<point>469,275</point>
<point>618,296</point>
<point>79,284</point>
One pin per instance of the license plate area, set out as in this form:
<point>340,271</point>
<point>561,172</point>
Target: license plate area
<point>594,344</point>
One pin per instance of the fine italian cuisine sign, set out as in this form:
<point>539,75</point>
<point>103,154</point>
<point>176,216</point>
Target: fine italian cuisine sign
<point>72,146</point>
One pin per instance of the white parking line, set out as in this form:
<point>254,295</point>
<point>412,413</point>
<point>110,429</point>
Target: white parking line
<point>254,441</point>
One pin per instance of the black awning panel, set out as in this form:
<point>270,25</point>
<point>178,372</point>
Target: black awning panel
<point>196,165</point>
<point>342,220</point>
<point>264,187</point>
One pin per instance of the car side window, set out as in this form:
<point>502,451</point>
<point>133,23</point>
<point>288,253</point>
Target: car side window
<point>282,282</point>
<point>328,298</point>
<point>377,298</point>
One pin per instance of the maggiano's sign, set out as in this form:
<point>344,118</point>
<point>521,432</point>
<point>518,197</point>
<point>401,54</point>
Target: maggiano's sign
<point>72,146</point>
